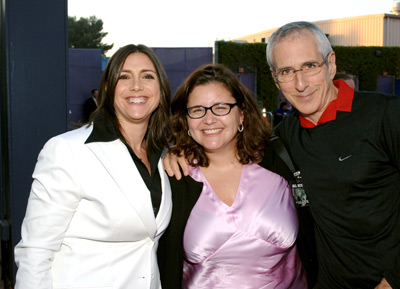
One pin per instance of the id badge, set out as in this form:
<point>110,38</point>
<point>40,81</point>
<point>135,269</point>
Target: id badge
<point>299,195</point>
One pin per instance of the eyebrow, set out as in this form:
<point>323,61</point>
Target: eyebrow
<point>143,70</point>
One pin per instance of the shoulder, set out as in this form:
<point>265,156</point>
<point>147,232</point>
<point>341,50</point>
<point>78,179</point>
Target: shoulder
<point>184,181</point>
<point>68,139</point>
<point>76,135</point>
<point>186,187</point>
<point>288,124</point>
<point>265,173</point>
<point>264,183</point>
<point>274,163</point>
<point>64,152</point>
<point>375,104</point>
<point>89,100</point>
<point>373,98</point>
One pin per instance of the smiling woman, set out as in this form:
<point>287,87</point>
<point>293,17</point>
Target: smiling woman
<point>137,93</point>
<point>233,223</point>
<point>216,129</point>
<point>100,199</point>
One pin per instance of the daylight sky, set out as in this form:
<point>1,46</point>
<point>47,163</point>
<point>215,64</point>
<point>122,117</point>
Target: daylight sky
<point>180,23</point>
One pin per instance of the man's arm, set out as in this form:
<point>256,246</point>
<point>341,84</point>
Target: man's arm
<point>391,131</point>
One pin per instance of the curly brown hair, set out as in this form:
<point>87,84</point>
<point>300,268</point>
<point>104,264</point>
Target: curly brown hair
<point>250,143</point>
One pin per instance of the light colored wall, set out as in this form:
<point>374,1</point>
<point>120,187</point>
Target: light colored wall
<point>369,30</point>
<point>355,31</point>
<point>391,36</point>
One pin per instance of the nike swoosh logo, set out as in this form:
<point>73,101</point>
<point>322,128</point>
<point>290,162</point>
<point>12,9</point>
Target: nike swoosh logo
<point>344,158</point>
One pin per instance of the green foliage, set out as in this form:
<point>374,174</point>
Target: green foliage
<point>367,63</point>
<point>251,56</point>
<point>87,33</point>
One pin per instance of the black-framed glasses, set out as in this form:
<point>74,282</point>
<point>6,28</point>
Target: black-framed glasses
<point>308,68</point>
<point>218,109</point>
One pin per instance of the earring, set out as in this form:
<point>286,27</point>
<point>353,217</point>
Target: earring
<point>189,133</point>
<point>241,127</point>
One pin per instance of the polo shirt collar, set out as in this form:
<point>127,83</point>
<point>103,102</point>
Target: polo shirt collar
<point>343,102</point>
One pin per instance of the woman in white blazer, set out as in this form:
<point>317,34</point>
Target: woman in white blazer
<point>100,199</point>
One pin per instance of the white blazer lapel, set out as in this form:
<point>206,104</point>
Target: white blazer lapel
<point>164,214</point>
<point>118,162</point>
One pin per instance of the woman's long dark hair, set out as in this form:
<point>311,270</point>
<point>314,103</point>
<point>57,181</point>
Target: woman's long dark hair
<point>158,132</point>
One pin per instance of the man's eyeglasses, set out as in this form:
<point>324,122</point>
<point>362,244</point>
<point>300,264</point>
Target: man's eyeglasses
<point>218,109</point>
<point>309,69</point>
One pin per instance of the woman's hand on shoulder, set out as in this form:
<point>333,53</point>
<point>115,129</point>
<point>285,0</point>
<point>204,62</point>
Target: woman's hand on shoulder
<point>383,285</point>
<point>172,162</point>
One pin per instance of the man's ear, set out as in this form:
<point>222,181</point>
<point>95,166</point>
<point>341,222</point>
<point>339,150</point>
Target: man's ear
<point>275,80</point>
<point>332,65</point>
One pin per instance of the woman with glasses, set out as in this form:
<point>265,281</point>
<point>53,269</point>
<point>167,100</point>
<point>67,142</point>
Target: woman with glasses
<point>233,223</point>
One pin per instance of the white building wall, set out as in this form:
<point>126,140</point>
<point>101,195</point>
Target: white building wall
<point>391,36</point>
<point>356,31</point>
<point>369,30</point>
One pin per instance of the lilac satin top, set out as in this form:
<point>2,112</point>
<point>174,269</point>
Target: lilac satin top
<point>248,245</point>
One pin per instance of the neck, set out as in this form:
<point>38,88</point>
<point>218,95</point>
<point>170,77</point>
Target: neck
<point>332,93</point>
<point>223,160</point>
<point>134,136</point>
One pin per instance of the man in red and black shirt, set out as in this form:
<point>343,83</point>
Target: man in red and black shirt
<point>347,146</point>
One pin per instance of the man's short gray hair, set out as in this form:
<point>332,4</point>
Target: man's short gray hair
<point>324,46</point>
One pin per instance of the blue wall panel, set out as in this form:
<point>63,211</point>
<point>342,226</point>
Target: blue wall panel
<point>180,62</point>
<point>34,53</point>
<point>397,87</point>
<point>85,69</point>
<point>86,66</point>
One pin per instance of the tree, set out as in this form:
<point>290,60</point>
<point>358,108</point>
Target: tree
<point>87,33</point>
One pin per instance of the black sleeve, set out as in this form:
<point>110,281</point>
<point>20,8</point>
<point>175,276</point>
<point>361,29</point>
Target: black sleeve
<point>391,133</point>
<point>170,254</point>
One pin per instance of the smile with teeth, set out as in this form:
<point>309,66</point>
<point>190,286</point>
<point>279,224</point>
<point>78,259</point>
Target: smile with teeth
<point>137,100</point>
<point>212,131</point>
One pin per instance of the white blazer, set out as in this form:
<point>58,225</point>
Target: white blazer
<point>89,221</point>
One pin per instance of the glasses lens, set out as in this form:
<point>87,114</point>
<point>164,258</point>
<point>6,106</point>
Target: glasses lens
<point>308,69</point>
<point>311,69</point>
<point>286,77</point>
<point>220,109</point>
<point>196,112</point>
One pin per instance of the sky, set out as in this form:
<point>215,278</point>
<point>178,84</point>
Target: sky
<point>188,23</point>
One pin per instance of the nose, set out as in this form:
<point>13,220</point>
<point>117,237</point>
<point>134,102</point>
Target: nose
<point>136,84</point>
<point>300,79</point>
<point>209,118</point>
